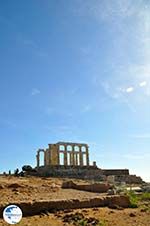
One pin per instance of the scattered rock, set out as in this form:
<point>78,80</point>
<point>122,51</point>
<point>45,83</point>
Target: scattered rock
<point>45,213</point>
<point>132,215</point>
<point>92,221</point>
<point>2,186</point>
<point>68,211</point>
<point>111,192</point>
<point>16,193</point>
<point>14,189</point>
<point>95,209</point>
<point>144,210</point>
<point>14,185</point>
<point>71,218</point>
<point>111,211</point>
<point>84,211</point>
<point>79,219</point>
<point>58,215</point>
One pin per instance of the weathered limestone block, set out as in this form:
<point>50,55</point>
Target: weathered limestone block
<point>31,208</point>
<point>96,187</point>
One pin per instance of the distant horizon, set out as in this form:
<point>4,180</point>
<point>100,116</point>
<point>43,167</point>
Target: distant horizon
<point>91,161</point>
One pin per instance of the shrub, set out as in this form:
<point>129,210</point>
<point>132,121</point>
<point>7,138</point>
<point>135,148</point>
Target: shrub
<point>145,196</point>
<point>133,199</point>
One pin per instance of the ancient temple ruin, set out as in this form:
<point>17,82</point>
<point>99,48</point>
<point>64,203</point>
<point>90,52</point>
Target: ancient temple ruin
<point>66,159</point>
<point>71,160</point>
<point>67,154</point>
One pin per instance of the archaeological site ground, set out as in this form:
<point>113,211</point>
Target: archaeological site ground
<point>65,189</point>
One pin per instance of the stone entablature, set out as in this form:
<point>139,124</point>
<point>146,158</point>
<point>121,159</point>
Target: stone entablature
<point>65,153</point>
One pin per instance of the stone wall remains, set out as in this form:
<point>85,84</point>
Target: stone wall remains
<point>37,207</point>
<point>95,187</point>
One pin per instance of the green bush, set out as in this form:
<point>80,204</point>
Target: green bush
<point>82,222</point>
<point>145,196</point>
<point>133,199</point>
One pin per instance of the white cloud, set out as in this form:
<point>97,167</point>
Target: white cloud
<point>144,83</point>
<point>114,90</point>
<point>130,89</point>
<point>141,136</point>
<point>35,91</point>
<point>110,89</point>
<point>124,74</point>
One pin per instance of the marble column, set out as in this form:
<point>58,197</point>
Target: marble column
<point>65,156</point>
<point>73,156</point>
<point>87,156</point>
<point>45,158</point>
<point>75,159</point>
<point>80,156</point>
<point>38,160</point>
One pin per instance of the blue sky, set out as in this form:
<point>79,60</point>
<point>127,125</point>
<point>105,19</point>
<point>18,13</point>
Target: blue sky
<point>76,71</point>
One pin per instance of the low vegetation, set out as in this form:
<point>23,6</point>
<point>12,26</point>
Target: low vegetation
<point>135,199</point>
<point>145,196</point>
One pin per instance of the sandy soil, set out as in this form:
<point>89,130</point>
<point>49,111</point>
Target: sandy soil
<point>27,189</point>
<point>126,217</point>
<point>22,189</point>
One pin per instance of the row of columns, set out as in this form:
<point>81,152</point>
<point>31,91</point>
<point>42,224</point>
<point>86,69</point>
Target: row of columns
<point>69,157</point>
<point>76,157</point>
